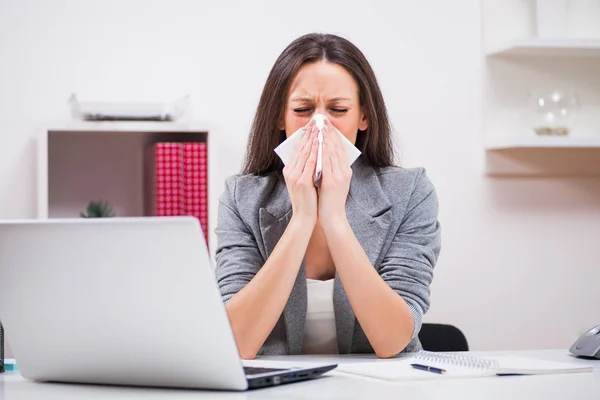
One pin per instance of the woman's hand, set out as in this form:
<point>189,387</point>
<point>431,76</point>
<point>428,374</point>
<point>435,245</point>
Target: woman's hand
<point>298,176</point>
<point>335,183</point>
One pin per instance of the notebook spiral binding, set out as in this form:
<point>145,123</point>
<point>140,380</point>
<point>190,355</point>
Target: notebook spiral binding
<point>457,360</point>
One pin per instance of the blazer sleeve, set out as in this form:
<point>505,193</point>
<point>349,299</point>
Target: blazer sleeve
<point>408,265</point>
<point>237,255</point>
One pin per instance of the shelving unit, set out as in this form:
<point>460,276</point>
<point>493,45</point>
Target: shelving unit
<point>516,63</point>
<point>127,126</point>
<point>82,161</point>
<point>543,47</point>
<point>543,142</point>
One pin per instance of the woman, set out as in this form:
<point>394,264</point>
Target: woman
<point>345,268</point>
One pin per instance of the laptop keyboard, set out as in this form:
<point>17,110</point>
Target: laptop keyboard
<point>258,370</point>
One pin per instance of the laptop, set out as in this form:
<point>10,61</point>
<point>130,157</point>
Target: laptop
<point>122,301</point>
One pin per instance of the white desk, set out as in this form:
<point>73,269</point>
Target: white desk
<point>336,385</point>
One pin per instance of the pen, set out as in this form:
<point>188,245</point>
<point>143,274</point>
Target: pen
<point>427,368</point>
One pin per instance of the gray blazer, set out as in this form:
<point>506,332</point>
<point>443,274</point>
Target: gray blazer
<point>393,213</point>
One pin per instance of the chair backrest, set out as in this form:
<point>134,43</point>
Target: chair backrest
<point>441,337</point>
<point>1,348</point>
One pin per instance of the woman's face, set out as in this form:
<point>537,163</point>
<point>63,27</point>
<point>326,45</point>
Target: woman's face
<point>324,88</point>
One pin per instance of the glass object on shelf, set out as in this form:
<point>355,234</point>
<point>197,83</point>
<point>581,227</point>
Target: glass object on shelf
<point>129,111</point>
<point>553,112</point>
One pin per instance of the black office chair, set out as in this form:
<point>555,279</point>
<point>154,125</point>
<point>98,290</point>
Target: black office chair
<point>440,337</point>
<point>1,348</point>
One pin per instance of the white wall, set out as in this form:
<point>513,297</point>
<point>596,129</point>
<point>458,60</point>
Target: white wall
<point>519,266</point>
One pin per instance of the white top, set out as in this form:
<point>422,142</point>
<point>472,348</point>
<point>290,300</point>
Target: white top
<point>320,336</point>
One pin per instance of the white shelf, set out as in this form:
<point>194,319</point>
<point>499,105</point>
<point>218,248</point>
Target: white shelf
<point>79,161</point>
<point>125,126</point>
<point>543,156</point>
<point>542,142</point>
<point>548,47</point>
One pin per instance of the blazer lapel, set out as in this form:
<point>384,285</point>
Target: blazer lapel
<point>273,220</point>
<point>275,215</point>
<point>369,213</point>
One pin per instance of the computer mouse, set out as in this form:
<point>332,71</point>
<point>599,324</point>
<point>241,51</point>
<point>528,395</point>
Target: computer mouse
<point>588,345</point>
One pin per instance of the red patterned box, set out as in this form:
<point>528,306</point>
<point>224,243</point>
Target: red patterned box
<point>195,176</point>
<point>166,186</point>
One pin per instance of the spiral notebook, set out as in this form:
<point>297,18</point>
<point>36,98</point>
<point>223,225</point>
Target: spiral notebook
<point>458,366</point>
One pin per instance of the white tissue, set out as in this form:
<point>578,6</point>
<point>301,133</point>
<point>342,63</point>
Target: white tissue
<point>285,150</point>
<point>319,123</point>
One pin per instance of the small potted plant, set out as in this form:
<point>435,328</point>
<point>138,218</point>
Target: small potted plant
<point>98,209</point>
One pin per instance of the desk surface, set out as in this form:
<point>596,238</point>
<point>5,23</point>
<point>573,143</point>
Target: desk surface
<point>336,385</point>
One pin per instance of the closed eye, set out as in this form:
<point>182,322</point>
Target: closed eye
<point>339,110</point>
<point>308,109</point>
<point>302,110</point>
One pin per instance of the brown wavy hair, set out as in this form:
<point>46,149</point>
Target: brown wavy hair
<point>375,143</point>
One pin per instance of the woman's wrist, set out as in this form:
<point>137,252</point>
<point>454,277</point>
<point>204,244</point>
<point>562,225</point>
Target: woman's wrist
<point>333,223</point>
<point>334,228</point>
<point>302,226</point>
